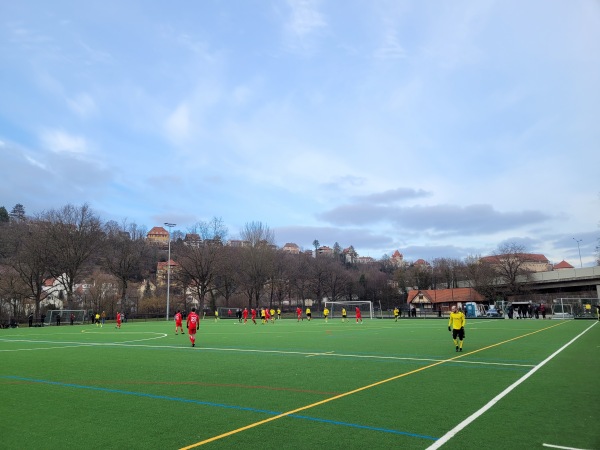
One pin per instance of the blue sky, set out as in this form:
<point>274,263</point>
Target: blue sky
<point>438,128</point>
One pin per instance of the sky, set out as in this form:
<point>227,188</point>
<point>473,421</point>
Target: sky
<point>437,128</point>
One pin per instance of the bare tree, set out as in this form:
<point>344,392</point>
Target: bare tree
<point>509,262</point>
<point>126,255</point>
<point>482,276</point>
<point>256,260</point>
<point>198,265</point>
<point>226,280</point>
<point>214,229</point>
<point>29,258</point>
<point>74,236</point>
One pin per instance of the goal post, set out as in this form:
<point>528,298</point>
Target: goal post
<point>65,316</point>
<point>335,308</point>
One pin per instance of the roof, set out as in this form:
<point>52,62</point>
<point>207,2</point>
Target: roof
<point>563,265</point>
<point>529,257</point>
<point>161,265</point>
<point>445,295</point>
<point>158,230</point>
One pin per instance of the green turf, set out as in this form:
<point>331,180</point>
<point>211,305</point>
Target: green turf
<point>377,385</point>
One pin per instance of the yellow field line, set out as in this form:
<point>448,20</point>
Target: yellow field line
<point>345,394</point>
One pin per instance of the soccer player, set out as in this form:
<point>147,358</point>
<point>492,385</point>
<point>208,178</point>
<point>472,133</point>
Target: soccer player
<point>325,313</point>
<point>178,324</point>
<point>343,314</point>
<point>358,315</point>
<point>308,314</point>
<point>253,314</point>
<point>262,315</point>
<point>396,313</point>
<point>272,311</point>
<point>267,315</point>
<point>299,314</point>
<point>97,319</point>
<point>245,315</point>
<point>193,323</point>
<point>216,315</point>
<point>278,313</point>
<point>118,320</point>
<point>456,324</point>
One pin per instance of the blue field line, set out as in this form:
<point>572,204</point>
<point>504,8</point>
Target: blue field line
<point>217,405</point>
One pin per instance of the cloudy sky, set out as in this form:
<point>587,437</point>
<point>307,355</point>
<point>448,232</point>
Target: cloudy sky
<point>438,128</point>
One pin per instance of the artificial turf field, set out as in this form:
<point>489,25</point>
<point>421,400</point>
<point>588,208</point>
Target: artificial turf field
<point>518,384</point>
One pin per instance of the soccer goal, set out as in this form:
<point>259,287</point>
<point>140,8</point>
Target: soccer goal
<point>335,308</point>
<point>65,316</point>
<point>227,313</point>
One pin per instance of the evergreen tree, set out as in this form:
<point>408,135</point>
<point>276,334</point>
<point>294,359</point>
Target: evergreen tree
<point>18,212</point>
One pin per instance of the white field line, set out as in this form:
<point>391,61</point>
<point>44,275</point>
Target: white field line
<point>450,434</point>
<point>560,446</point>
<point>241,350</point>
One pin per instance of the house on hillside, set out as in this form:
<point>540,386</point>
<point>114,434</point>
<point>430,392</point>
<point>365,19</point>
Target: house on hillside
<point>397,259</point>
<point>531,262</point>
<point>158,236</point>
<point>162,272</point>
<point>291,248</point>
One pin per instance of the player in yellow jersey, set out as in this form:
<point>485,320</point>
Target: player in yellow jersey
<point>396,312</point>
<point>343,314</point>
<point>308,314</point>
<point>456,324</point>
<point>325,313</point>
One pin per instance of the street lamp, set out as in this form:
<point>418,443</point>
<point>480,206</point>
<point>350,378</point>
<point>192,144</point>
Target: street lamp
<point>579,249</point>
<point>169,225</point>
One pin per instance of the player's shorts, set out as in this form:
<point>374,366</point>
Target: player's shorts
<point>308,314</point>
<point>344,316</point>
<point>458,333</point>
<point>178,324</point>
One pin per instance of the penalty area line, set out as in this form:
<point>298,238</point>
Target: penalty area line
<point>560,446</point>
<point>450,434</point>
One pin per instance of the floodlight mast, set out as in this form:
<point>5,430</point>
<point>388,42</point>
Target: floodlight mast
<point>579,250</point>
<point>169,225</point>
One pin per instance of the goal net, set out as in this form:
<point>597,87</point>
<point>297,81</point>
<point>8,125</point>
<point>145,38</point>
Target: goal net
<point>52,318</point>
<point>227,313</point>
<point>335,308</point>
<point>575,308</point>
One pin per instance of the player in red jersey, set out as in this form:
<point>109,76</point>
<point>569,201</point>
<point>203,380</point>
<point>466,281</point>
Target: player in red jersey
<point>193,323</point>
<point>245,314</point>
<point>299,313</point>
<point>178,324</point>
<point>118,319</point>
<point>253,314</point>
<point>358,315</point>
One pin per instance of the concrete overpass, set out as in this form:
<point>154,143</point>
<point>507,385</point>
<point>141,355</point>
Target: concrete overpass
<point>567,281</point>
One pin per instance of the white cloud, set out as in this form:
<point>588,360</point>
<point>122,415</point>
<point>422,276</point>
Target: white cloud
<point>35,162</point>
<point>59,141</point>
<point>83,105</point>
<point>178,123</point>
<point>391,48</point>
<point>305,18</point>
